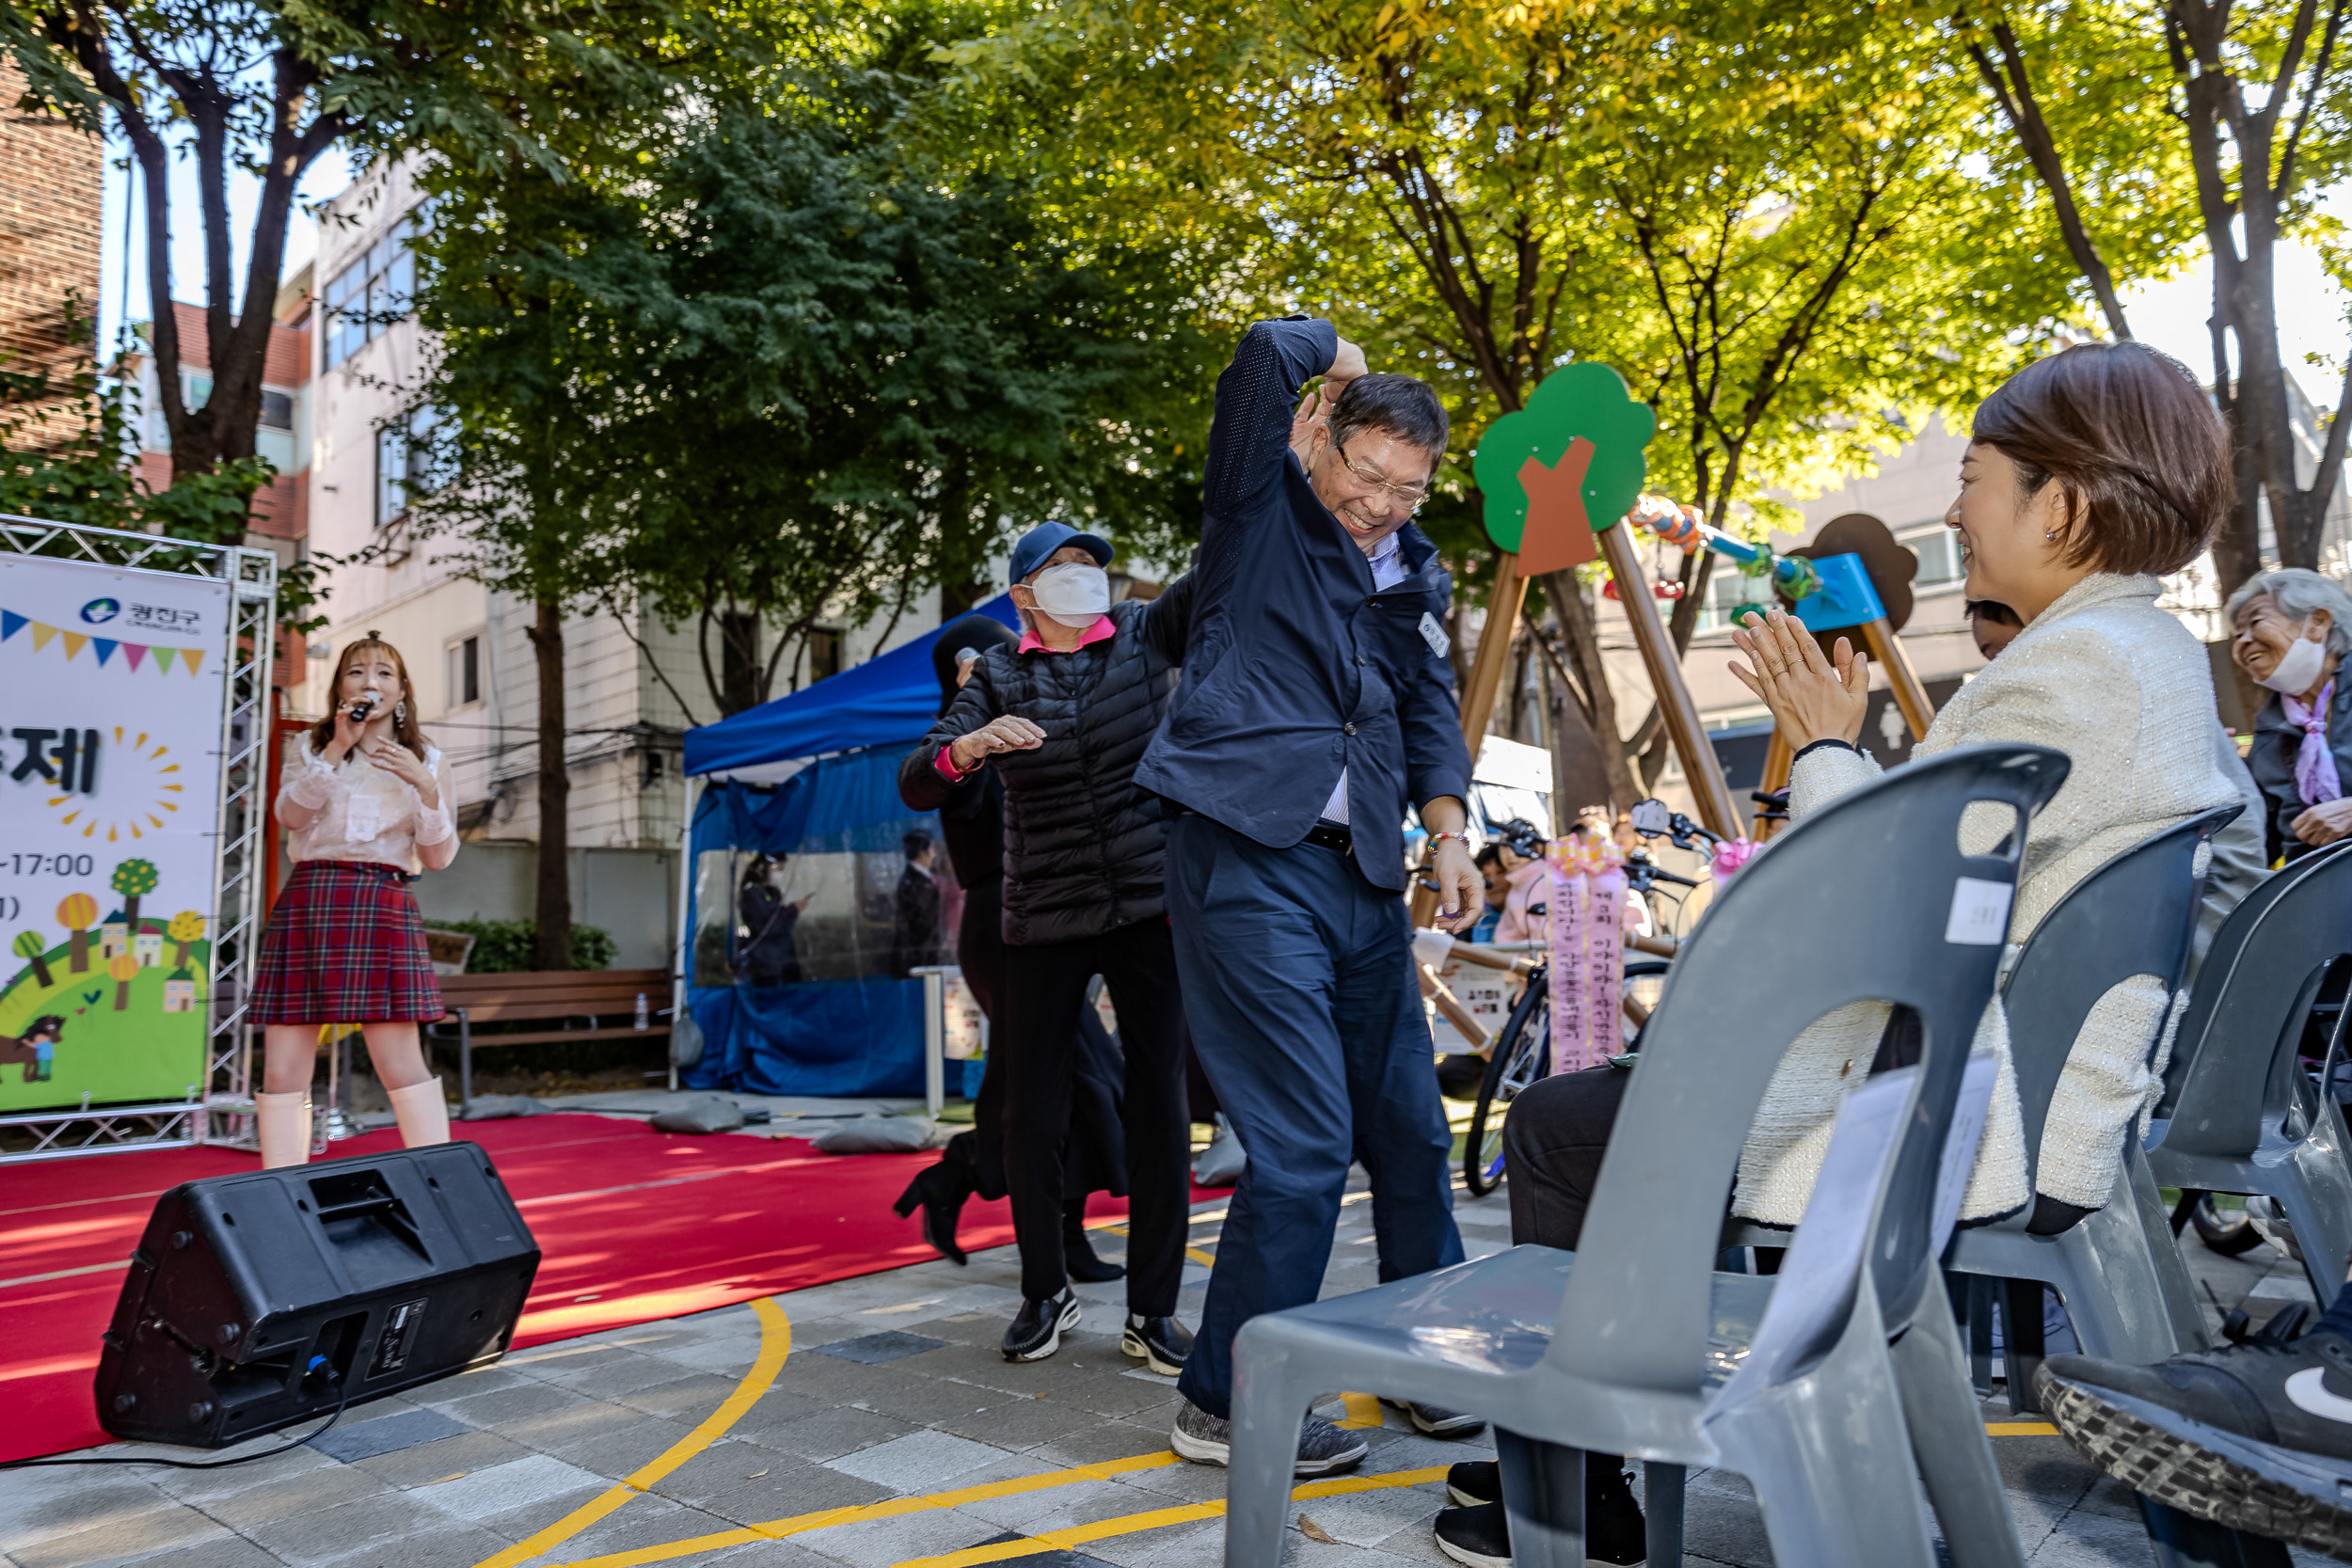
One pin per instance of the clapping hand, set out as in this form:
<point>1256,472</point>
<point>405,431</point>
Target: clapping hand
<point>1812,698</point>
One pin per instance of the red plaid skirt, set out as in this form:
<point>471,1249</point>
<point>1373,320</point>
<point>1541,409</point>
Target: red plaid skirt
<point>344,945</point>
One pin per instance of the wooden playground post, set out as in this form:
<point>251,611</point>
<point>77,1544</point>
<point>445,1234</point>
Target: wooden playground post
<point>1494,649</point>
<point>1689,736</point>
<point>1901,680</point>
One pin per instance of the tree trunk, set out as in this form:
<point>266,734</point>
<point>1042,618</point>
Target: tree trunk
<point>1584,644</point>
<point>554,908</point>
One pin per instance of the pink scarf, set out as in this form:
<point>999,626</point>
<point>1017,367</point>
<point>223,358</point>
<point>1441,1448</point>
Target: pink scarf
<point>2316,777</point>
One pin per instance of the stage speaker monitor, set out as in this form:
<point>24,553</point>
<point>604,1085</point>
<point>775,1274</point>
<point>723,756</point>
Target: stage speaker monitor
<point>262,1298</point>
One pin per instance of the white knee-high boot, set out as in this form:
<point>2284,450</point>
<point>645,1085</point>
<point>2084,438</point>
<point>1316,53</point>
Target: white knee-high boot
<point>422,1114</point>
<point>284,1121</point>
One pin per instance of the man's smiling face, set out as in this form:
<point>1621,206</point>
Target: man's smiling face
<point>1363,482</point>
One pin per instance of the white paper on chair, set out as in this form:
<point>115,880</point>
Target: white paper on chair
<point>1823,1269</point>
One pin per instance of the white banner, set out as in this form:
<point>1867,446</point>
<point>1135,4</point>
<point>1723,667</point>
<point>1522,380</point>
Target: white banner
<point>110,799</point>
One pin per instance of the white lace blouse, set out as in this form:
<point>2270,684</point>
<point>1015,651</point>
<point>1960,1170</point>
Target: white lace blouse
<point>359,812</point>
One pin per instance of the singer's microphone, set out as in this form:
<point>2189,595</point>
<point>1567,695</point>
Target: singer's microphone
<point>365,706</point>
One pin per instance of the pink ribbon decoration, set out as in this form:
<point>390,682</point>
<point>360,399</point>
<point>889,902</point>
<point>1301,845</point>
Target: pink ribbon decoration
<point>2315,778</point>
<point>1730,856</point>
<point>1587,950</point>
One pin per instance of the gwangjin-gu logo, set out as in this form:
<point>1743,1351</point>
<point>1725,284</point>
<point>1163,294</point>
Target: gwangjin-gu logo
<point>99,611</point>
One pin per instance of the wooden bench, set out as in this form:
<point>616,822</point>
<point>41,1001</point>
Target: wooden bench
<point>539,995</point>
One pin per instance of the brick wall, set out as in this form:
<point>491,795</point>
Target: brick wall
<point>51,188</point>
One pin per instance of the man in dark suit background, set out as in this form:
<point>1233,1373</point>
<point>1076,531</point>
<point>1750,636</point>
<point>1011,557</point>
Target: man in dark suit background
<point>914,928</point>
<point>1317,702</point>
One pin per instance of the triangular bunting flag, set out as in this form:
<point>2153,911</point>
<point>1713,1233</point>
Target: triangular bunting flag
<point>191,656</point>
<point>163,659</point>
<point>73,643</point>
<point>131,651</point>
<point>106,650</point>
<point>11,624</point>
<point>42,635</point>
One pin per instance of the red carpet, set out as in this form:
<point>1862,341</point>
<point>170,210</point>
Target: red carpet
<point>634,1225</point>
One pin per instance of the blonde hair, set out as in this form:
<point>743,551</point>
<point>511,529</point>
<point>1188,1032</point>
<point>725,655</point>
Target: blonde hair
<point>405,727</point>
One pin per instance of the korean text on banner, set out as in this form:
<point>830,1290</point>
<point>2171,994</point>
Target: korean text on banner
<point>110,800</point>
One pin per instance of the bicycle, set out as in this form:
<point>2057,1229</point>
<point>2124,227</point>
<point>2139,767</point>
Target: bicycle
<point>1522,1048</point>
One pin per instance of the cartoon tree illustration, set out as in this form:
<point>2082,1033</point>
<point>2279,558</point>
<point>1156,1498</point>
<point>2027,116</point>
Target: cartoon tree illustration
<point>125,969</point>
<point>185,927</point>
<point>33,946</point>
<point>77,913</point>
<point>134,879</point>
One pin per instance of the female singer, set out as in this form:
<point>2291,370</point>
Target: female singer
<point>365,801</point>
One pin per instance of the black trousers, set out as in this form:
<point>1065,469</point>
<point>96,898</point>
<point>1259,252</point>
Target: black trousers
<point>1552,1142</point>
<point>1045,988</point>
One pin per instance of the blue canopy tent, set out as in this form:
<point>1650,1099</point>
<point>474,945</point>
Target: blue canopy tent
<point>812,778</point>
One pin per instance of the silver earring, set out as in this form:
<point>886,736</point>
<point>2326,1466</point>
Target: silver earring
<point>2049,537</point>
<point>400,713</point>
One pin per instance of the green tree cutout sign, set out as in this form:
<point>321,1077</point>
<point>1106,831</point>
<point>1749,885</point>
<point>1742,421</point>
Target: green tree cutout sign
<point>1565,467</point>
<point>134,879</point>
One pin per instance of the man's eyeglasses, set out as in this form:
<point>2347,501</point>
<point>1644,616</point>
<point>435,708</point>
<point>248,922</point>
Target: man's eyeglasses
<point>1408,495</point>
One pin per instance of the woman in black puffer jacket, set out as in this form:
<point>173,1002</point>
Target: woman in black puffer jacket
<point>1063,720</point>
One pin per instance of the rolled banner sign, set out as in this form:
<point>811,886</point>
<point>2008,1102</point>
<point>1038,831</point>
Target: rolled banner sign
<point>1587,950</point>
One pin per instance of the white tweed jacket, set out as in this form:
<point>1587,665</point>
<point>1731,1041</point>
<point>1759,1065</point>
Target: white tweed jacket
<point>2125,691</point>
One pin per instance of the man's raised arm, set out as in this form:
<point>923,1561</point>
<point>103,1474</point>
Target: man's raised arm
<point>1255,397</point>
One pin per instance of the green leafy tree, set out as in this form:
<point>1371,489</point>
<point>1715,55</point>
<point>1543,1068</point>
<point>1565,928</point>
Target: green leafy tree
<point>34,949</point>
<point>265,87</point>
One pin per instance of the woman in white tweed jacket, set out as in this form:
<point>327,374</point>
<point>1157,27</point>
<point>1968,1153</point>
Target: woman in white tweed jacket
<point>2089,473</point>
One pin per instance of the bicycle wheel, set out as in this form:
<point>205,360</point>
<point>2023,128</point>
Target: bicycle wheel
<point>1522,1054</point>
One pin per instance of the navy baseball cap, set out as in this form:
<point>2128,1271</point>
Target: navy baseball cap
<point>1041,542</point>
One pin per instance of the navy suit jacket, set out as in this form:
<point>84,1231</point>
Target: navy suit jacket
<point>1296,666</point>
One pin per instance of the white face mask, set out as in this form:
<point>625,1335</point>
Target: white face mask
<point>2298,668</point>
<point>1072,594</point>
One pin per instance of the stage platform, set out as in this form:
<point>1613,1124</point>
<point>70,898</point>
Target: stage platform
<point>869,1422</point>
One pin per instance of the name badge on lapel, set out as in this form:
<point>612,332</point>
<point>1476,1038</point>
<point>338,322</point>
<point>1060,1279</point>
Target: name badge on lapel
<point>1434,635</point>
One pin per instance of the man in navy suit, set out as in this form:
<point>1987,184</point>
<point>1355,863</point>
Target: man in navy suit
<point>1316,703</point>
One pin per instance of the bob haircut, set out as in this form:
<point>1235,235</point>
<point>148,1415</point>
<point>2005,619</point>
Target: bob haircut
<point>2130,436</point>
<point>2297,592</point>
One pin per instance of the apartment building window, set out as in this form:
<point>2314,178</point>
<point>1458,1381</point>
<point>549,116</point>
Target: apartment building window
<point>406,464</point>
<point>463,672</point>
<point>1938,549</point>
<point>824,655</point>
<point>373,291</point>
<point>276,410</point>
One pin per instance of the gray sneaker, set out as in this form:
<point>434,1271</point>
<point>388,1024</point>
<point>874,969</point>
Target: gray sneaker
<point>1322,1448</point>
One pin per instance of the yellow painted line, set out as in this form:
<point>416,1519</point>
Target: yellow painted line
<point>1195,1254</point>
<point>1363,1411</point>
<point>775,1343</point>
<point>2020,1428</point>
<point>1158,1518</point>
<point>800,1523</point>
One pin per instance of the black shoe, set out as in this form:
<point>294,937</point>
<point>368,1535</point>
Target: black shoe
<point>1474,1482</point>
<point>1037,1329</point>
<point>1459,1075</point>
<point>2257,1437</point>
<point>939,1191</point>
<point>1159,1343</point>
<point>1077,1254</point>
<point>1436,1421</point>
<point>1478,1535</point>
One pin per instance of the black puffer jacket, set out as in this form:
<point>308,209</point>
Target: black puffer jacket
<point>1082,845</point>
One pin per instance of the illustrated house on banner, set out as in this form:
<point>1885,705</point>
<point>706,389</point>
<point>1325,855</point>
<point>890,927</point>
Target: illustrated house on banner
<point>114,938</point>
<point>179,992</point>
<point>148,946</point>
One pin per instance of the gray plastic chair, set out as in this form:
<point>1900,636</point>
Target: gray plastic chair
<point>1829,1446</point>
<point>2238,1114</point>
<point>2119,1271</point>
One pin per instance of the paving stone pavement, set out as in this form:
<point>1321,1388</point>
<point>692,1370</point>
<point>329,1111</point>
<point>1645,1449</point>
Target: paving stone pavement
<point>893,1390</point>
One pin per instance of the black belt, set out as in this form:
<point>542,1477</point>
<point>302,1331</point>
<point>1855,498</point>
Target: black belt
<point>1331,835</point>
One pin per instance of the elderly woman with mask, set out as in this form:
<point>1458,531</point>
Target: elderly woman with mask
<point>2291,630</point>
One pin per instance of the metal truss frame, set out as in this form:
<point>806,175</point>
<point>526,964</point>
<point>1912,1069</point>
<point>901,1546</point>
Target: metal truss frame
<point>220,1109</point>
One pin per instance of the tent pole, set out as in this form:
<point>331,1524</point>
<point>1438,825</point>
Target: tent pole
<point>682,954</point>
